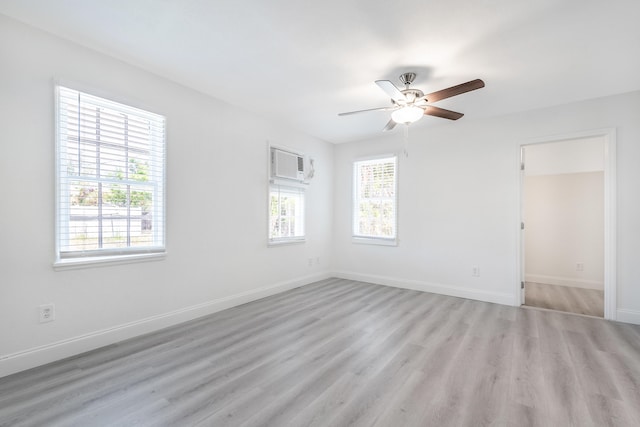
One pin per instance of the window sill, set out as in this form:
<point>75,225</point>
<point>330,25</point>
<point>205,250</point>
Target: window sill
<point>273,243</point>
<point>104,261</point>
<point>374,241</point>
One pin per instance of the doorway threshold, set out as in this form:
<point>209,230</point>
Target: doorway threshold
<point>530,307</point>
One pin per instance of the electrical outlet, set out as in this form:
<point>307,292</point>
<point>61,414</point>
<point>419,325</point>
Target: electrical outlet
<point>310,262</point>
<point>475,271</point>
<point>579,266</point>
<point>46,313</point>
<point>317,260</point>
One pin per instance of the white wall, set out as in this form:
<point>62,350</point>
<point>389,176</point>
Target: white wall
<point>564,216</point>
<point>216,211</point>
<point>460,207</point>
<point>571,156</point>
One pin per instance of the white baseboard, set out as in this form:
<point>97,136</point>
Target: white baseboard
<point>20,361</point>
<point>436,288</point>
<point>565,281</point>
<point>628,316</point>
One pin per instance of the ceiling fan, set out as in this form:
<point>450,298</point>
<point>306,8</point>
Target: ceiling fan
<point>409,105</point>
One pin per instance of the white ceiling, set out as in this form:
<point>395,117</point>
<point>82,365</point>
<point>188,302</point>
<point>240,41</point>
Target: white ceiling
<point>302,62</point>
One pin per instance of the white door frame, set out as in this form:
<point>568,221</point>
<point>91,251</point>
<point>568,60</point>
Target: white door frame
<point>609,135</point>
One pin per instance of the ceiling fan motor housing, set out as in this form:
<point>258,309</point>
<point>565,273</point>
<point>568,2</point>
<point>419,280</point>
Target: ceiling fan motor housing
<point>411,95</point>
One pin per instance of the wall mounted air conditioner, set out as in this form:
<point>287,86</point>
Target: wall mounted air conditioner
<point>287,165</point>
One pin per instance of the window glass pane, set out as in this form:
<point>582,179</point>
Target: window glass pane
<point>83,227</point>
<point>114,220</point>
<point>113,162</point>
<point>286,213</point>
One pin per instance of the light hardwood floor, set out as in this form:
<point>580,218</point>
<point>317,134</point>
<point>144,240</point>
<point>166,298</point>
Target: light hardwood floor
<point>338,353</point>
<point>565,298</point>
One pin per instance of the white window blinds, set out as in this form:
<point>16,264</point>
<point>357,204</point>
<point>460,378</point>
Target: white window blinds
<point>110,177</point>
<point>375,198</point>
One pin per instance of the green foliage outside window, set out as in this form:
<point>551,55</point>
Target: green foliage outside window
<point>137,172</point>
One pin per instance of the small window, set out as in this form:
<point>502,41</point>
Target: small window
<point>286,214</point>
<point>375,200</point>
<point>110,179</point>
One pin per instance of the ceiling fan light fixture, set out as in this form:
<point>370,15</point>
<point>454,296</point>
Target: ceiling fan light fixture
<point>407,114</point>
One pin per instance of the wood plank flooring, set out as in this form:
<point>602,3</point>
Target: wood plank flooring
<point>565,298</point>
<point>345,353</point>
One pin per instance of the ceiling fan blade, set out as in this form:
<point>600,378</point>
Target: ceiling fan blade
<point>391,90</point>
<point>364,111</point>
<point>455,90</point>
<point>430,110</point>
<point>390,125</point>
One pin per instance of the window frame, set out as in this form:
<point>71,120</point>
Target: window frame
<point>369,239</point>
<point>69,259</point>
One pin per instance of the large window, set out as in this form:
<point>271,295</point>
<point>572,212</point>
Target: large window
<point>110,178</point>
<point>375,200</point>
<point>286,214</point>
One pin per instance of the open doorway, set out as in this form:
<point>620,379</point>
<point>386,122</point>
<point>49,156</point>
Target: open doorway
<point>566,225</point>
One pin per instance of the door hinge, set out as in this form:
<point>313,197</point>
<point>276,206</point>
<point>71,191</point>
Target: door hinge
<point>521,285</point>
<point>522,226</point>
<point>522,166</point>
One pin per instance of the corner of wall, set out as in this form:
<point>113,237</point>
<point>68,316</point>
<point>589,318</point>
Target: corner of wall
<point>436,288</point>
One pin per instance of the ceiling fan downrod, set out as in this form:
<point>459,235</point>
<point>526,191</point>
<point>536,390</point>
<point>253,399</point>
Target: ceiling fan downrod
<point>407,78</point>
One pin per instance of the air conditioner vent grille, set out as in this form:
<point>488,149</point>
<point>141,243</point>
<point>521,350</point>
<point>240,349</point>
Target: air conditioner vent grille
<point>287,165</point>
